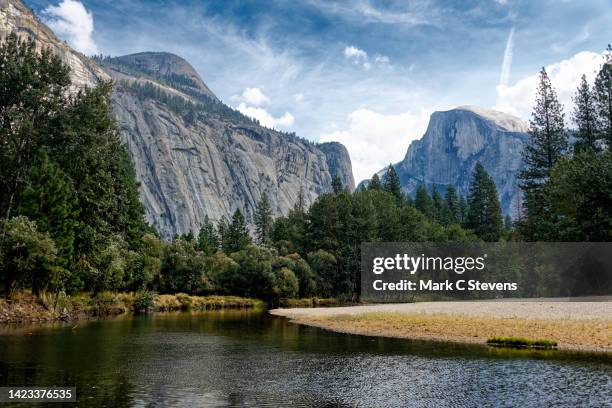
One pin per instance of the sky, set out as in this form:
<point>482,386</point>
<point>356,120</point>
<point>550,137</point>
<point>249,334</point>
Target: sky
<point>365,73</point>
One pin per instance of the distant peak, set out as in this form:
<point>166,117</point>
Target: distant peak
<point>165,64</point>
<point>504,120</point>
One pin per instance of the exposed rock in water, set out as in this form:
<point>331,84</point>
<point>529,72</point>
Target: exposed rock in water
<point>194,156</point>
<point>455,141</point>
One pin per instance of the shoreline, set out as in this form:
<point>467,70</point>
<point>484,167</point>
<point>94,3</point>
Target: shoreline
<point>576,326</point>
<point>26,308</point>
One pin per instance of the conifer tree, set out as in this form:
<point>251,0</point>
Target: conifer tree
<point>484,211</point>
<point>585,117</point>
<point>463,210</point>
<point>263,221</point>
<point>375,183</point>
<point>238,237</point>
<point>337,186</point>
<point>603,97</point>
<point>50,200</point>
<point>548,144</point>
<point>423,202</point>
<point>438,204</point>
<point>391,184</point>
<point>452,210</point>
<point>208,240</point>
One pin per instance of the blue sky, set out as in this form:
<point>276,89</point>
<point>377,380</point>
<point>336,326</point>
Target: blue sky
<point>366,73</point>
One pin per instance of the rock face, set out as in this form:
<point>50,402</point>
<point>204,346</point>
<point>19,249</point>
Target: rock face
<point>194,156</point>
<point>16,17</point>
<point>455,141</point>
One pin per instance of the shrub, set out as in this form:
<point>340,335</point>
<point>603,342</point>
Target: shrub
<point>144,301</point>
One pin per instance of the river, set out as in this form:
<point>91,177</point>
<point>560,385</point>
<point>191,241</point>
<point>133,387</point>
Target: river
<point>248,358</point>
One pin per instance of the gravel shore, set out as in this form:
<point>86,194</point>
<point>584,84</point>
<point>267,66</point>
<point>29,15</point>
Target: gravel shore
<point>575,325</point>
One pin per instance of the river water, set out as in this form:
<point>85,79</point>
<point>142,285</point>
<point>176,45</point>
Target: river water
<point>248,358</point>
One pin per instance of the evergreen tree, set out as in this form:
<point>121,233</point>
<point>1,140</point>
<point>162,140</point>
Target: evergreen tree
<point>238,237</point>
<point>337,186</point>
<point>437,203</point>
<point>603,97</point>
<point>33,91</point>
<point>463,210</point>
<point>208,240</point>
<point>423,202</point>
<point>50,199</point>
<point>484,211</point>
<point>452,210</point>
<point>508,224</point>
<point>548,144</point>
<point>375,183</point>
<point>585,117</point>
<point>391,184</point>
<point>263,221</point>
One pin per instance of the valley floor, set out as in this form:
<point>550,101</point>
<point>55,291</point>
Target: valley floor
<point>576,324</point>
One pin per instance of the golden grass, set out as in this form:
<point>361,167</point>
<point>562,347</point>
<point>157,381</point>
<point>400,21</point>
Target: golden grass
<point>182,301</point>
<point>595,335</point>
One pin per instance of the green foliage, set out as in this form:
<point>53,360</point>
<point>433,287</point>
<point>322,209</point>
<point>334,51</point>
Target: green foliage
<point>375,183</point>
<point>484,211</point>
<point>237,237</point>
<point>603,98</point>
<point>423,201</point>
<point>584,116</point>
<point>391,184</point>
<point>208,239</point>
<point>144,301</point>
<point>336,184</point>
<point>580,193</point>
<point>27,257</point>
<point>521,342</point>
<point>263,221</point>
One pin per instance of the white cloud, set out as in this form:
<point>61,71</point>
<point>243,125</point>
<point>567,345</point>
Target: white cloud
<point>71,21</point>
<point>298,97</point>
<point>356,54</point>
<point>518,99</point>
<point>374,140</point>
<point>381,59</point>
<point>254,96</point>
<point>265,118</point>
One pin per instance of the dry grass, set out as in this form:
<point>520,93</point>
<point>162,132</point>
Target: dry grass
<point>182,301</point>
<point>594,335</point>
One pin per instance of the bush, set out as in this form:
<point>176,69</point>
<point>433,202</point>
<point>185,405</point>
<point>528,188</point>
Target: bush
<point>144,301</point>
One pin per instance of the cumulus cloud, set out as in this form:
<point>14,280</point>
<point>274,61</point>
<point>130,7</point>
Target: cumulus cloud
<point>71,21</point>
<point>356,54</point>
<point>374,139</point>
<point>381,59</point>
<point>518,99</point>
<point>255,96</point>
<point>266,118</point>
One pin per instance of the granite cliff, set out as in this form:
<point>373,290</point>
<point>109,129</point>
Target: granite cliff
<point>194,155</point>
<point>455,141</point>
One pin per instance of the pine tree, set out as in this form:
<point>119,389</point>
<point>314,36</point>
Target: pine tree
<point>585,117</point>
<point>263,221</point>
<point>50,201</point>
<point>208,240</point>
<point>375,183</point>
<point>438,204</point>
<point>391,184</point>
<point>238,237</point>
<point>452,210</point>
<point>463,210</point>
<point>548,144</point>
<point>508,224</point>
<point>484,211</point>
<point>603,97</point>
<point>423,202</point>
<point>337,186</point>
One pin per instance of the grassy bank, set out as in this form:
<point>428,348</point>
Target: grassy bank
<point>24,307</point>
<point>590,333</point>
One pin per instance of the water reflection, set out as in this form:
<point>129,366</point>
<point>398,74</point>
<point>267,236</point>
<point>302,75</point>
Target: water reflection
<point>245,358</point>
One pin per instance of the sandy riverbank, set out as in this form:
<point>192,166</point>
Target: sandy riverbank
<point>574,325</point>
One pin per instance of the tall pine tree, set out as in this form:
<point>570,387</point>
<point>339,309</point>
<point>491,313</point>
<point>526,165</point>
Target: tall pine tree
<point>484,211</point>
<point>208,240</point>
<point>585,117</point>
<point>452,210</point>
<point>391,184</point>
<point>263,221</point>
<point>423,202</point>
<point>238,237</point>
<point>548,144</point>
<point>375,183</point>
<point>603,97</point>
